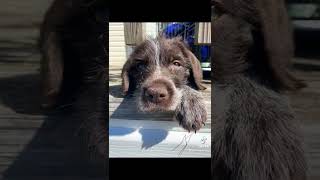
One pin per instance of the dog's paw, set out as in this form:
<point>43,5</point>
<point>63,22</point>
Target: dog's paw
<point>191,112</point>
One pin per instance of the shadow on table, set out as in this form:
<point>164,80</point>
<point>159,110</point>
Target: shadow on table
<point>127,110</point>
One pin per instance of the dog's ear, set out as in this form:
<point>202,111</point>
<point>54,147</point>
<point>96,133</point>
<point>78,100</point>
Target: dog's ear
<point>196,75</point>
<point>128,83</point>
<point>196,71</point>
<point>51,69</point>
<point>125,78</point>
<point>278,42</point>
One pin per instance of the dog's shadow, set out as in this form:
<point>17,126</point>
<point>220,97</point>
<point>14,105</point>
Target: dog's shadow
<point>125,108</point>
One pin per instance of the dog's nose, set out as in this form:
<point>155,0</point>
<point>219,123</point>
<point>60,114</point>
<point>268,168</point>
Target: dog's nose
<point>156,93</point>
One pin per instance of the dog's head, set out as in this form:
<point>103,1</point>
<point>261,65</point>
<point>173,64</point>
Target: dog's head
<point>158,68</point>
<point>253,37</point>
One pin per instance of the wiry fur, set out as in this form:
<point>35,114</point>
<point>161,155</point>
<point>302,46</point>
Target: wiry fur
<point>191,111</point>
<point>152,64</point>
<point>255,135</point>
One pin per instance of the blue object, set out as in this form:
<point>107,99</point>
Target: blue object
<point>205,51</point>
<point>174,29</point>
<point>187,31</point>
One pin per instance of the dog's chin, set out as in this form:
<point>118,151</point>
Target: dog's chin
<point>151,107</point>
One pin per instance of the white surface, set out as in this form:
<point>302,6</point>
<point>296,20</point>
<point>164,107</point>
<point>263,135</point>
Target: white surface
<point>206,69</point>
<point>151,29</point>
<point>137,138</point>
<point>117,46</point>
<point>307,24</point>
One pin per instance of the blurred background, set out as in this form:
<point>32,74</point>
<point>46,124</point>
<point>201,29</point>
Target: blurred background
<point>305,16</point>
<point>34,144</point>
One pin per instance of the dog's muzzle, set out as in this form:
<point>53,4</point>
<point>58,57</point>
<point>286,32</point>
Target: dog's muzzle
<point>158,94</point>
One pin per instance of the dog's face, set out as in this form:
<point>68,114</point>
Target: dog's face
<point>158,68</point>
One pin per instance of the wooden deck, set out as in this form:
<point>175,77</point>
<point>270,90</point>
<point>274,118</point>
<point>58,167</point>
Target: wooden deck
<point>33,144</point>
<point>306,105</point>
<point>36,144</point>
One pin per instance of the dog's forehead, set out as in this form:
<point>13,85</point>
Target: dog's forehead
<point>172,48</point>
<point>171,44</point>
<point>164,43</point>
<point>160,49</point>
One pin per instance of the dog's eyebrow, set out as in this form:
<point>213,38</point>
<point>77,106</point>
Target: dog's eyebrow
<point>139,60</point>
<point>183,49</point>
<point>176,57</point>
<point>136,56</point>
<point>141,53</point>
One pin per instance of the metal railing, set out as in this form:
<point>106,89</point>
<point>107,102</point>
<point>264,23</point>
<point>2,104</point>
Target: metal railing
<point>187,31</point>
<point>184,30</point>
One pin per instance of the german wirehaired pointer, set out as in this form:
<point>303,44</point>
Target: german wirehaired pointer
<point>73,43</point>
<point>166,74</point>
<point>255,135</point>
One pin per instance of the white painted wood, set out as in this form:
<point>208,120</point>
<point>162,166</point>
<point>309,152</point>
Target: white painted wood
<point>147,138</point>
<point>203,33</point>
<point>117,47</point>
<point>206,69</point>
<point>151,29</point>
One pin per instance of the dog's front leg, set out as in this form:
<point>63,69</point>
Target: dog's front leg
<point>191,113</point>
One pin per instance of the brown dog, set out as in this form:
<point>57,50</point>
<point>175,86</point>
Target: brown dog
<point>163,70</point>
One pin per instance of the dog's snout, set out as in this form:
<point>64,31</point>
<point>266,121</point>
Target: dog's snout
<point>156,93</point>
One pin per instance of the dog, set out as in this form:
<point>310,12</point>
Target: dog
<point>73,44</point>
<point>255,135</point>
<point>167,77</point>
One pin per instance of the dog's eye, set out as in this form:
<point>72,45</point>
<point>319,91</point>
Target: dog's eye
<point>140,65</point>
<point>176,63</point>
